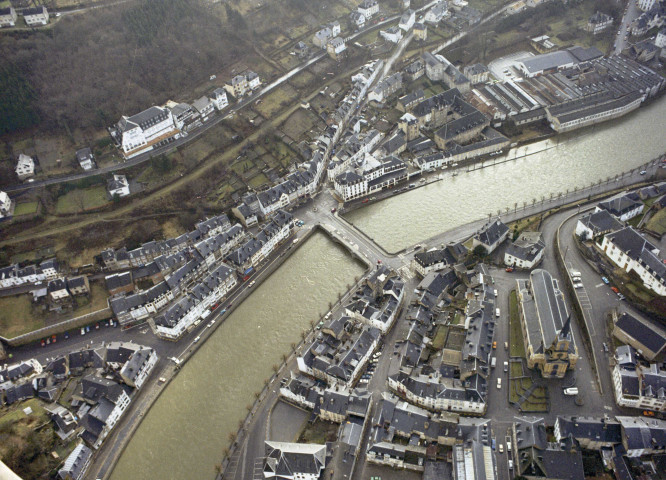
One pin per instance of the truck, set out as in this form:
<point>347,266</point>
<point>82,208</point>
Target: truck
<point>571,391</point>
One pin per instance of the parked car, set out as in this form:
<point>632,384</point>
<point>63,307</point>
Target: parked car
<point>43,342</point>
<point>509,269</point>
<point>615,289</point>
<point>605,280</point>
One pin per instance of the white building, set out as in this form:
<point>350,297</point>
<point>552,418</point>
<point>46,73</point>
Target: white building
<point>294,461</point>
<point>368,8</point>
<point>253,80</point>
<point>119,186</point>
<point>436,13</point>
<point>393,34</point>
<point>335,47</point>
<point>25,168</point>
<point>36,16</point>
<point>7,17</point>
<point>5,204</point>
<point>219,98</point>
<point>204,106</point>
<point>646,5</point>
<point>357,19</point>
<point>86,159</point>
<point>526,251</point>
<point>138,366</point>
<point>145,130</point>
<point>407,20</point>
<point>630,251</point>
<point>660,40</point>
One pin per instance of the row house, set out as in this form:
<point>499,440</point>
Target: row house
<point>8,17</point>
<point>204,107</point>
<point>194,305</point>
<point>108,402</point>
<point>141,132</point>
<point>330,31</point>
<point>368,8</point>
<point>35,16</point>
<point>643,436</point>
<point>14,276</point>
<point>354,149</point>
<point>139,366</point>
<point>592,433</point>
<point>130,309</point>
<point>631,252</point>
<point>243,84</point>
<point>369,176</point>
<point>386,88</point>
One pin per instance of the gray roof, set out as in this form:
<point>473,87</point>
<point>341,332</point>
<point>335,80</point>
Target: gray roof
<point>601,222</point>
<point>643,331</point>
<point>75,462</point>
<point>548,61</point>
<point>492,233</point>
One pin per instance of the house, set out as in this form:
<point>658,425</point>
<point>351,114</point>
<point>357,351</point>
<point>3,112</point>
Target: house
<point>386,88</point>
<point>477,73</point>
<point>86,159</point>
<point>301,50</point>
<point>321,37</point>
<point>57,290</point>
<point>646,336</point>
<point>183,115</point>
<point>643,436</point>
<point>25,168</point>
<point>436,13</point>
<point>646,5</point>
<point>145,130</point>
<point>138,366</point>
<point>392,34</point>
<point>108,401</point>
<point>204,107</point>
<point>119,283</point>
<point>526,251</point>
<point>623,207</point>
<point>35,16</point>
<point>294,461</point>
<point>537,458</point>
<point>219,99</point>
<point>546,325</point>
<point>637,385</point>
<point>660,39</point>
<point>118,186</point>
<point>357,19</point>
<point>432,261</point>
<point>243,84</point>
<point>409,126</point>
<point>253,80</point>
<point>407,20</point>
<point>598,22</point>
<point>543,44</point>
<point>409,101</point>
<point>631,252</point>
<point>591,433</point>
<point>76,463</point>
<point>7,17</point>
<point>599,222</point>
<point>335,48</point>
<point>421,31</point>
<point>368,8</point>
<point>78,285</point>
<point>491,236</point>
<point>245,214</point>
<point>5,205</point>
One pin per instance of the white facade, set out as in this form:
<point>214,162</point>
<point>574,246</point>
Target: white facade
<point>25,168</point>
<point>624,399</point>
<point>627,263</point>
<point>143,130</point>
<point>645,5</point>
<point>368,8</point>
<point>439,404</point>
<point>144,370</point>
<point>36,16</point>
<point>253,80</point>
<point>436,13</point>
<point>522,263</point>
<point>660,40</point>
<point>120,186</point>
<point>220,99</point>
<point>120,406</point>
<point>407,20</point>
<point>391,35</point>
<point>7,17</point>
<point>5,204</point>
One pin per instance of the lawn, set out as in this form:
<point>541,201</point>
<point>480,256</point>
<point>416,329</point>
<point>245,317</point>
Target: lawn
<point>15,412</point>
<point>440,337</point>
<point>258,180</point>
<point>25,208</point>
<point>318,432</point>
<point>273,102</point>
<point>656,224</point>
<point>516,345</point>
<point>16,316</point>
<point>298,123</point>
<point>80,200</point>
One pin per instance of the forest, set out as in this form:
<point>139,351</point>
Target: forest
<point>85,71</point>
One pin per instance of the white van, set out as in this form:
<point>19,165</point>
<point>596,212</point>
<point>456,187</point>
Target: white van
<point>493,362</point>
<point>571,391</point>
<point>497,312</point>
<point>499,383</point>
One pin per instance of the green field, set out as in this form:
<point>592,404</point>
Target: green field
<point>516,345</point>
<point>658,222</point>
<point>16,316</point>
<point>25,208</point>
<point>80,200</point>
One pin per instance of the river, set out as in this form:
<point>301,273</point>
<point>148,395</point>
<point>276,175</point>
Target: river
<point>576,160</point>
<point>186,430</point>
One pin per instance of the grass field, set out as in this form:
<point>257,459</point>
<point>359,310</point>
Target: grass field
<point>80,200</point>
<point>440,337</point>
<point>26,208</point>
<point>516,345</point>
<point>318,432</point>
<point>16,316</point>
<point>658,222</point>
<point>273,102</point>
<point>298,123</point>
<point>15,412</point>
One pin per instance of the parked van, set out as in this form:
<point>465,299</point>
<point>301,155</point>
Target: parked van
<point>506,366</point>
<point>571,391</point>
<point>497,312</point>
<point>508,445</point>
<point>499,383</point>
<point>493,362</point>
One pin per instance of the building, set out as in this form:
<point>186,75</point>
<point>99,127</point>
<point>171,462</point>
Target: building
<point>599,222</point>
<point>491,236</point>
<point>78,285</point>
<point>118,186</point>
<point>420,31</point>
<point>7,17</point>
<point>631,252</point>
<point>477,73</point>
<point>392,34</point>
<point>204,107</point>
<point>409,125</point>
<point>138,366</point>
<point>598,22</point>
<point>546,325</point>
<point>141,132</point>
<point>526,251</point>
<point>646,5</point>
<point>557,60</point>
<point>660,39</point>
<point>543,44</point>
<point>638,385</point>
<point>76,463</point>
<point>219,99</point>
<point>407,20</point>
<point>86,159</point>
<point>35,16</point>
<point>643,436</point>
<point>590,432</point>
<point>25,168</point>
<point>386,88</point>
<point>368,8</point>
<point>415,70</point>
<point>5,205</point>
<point>646,336</point>
<point>436,13</point>
<point>108,401</point>
<point>357,19</point>
<point>294,461</point>
<point>336,48</point>
<point>57,290</point>
<point>623,207</point>
<point>243,84</point>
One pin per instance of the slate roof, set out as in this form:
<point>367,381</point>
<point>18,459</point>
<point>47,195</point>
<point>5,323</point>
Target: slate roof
<point>600,222</point>
<point>492,233</point>
<point>644,331</point>
<point>618,206</point>
<point>76,462</point>
<point>287,460</point>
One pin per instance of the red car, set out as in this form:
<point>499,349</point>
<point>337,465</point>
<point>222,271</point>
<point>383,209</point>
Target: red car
<point>509,269</point>
<point>615,289</point>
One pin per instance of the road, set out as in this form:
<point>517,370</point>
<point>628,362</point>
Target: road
<point>631,12</point>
